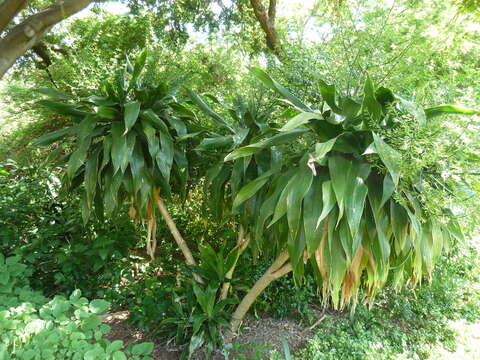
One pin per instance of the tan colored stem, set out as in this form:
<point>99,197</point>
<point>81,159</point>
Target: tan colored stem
<point>175,233</point>
<point>279,268</point>
<point>242,243</point>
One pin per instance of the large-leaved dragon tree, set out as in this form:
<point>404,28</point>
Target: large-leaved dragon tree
<point>128,147</point>
<point>335,197</point>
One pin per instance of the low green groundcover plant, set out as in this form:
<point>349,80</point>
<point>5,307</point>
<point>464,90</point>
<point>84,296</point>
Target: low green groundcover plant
<point>34,327</point>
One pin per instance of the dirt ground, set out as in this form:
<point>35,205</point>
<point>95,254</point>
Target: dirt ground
<point>264,331</point>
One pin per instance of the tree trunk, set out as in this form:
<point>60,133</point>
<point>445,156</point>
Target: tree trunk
<point>267,22</point>
<point>279,268</point>
<point>26,34</point>
<point>242,243</point>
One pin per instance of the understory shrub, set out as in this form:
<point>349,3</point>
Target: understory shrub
<point>47,230</point>
<point>34,327</point>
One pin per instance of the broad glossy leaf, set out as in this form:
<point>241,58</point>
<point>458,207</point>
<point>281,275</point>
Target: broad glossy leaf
<point>312,209</point>
<point>299,188</point>
<point>119,147</point>
<point>390,157</point>
<point>215,143</point>
<point>388,189</point>
<point>107,112</point>
<point>220,121</point>
<point>321,149</point>
<point>63,108</point>
<point>132,109</point>
<point>265,143</point>
<point>252,188</point>
<point>154,119</point>
<point>78,157</point>
<point>272,84</point>
<point>328,201</point>
<point>356,192</point>
<point>370,103</point>
<point>91,171</point>
<point>152,140</point>
<point>328,95</point>
<point>53,136</point>
<point>54,93</point>
<point>165,156</point>
<point>300,119</point>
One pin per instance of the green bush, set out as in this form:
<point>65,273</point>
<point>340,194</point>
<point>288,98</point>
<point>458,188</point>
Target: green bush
<point>47,230</point>
<point>33,327</point>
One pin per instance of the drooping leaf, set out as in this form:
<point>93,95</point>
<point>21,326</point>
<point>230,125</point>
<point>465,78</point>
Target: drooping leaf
<point>301,182</point>
<point>312,210</point>
<point>252,188</point>
<point>328,95</point>
<point>119,147</point>
<point>390,157</point>
<point>272,84</point>
<point>132,109</point>
<point>53,136</point>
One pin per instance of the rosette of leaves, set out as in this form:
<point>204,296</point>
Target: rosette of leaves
<point>125,147</point>
<point>339,202</point>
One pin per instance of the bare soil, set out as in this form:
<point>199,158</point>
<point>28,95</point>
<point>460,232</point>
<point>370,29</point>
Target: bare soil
<point>263,331</point>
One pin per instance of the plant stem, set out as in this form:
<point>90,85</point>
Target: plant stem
<point>242,243</point>
<point>280,267</point>
<point>176,234</point>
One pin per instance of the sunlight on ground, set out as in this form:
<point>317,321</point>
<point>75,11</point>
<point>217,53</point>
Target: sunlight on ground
<point>468,343</point>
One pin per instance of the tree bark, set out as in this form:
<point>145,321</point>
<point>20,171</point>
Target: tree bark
<point>280,267</point>
<point>26,34</point>
<point>266,18</point>
<point>8,10</point>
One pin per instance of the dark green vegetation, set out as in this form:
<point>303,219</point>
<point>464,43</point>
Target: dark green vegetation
<point>201,173</point>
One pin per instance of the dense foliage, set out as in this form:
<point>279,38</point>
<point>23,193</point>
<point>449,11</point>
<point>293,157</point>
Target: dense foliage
<point>299,154</point>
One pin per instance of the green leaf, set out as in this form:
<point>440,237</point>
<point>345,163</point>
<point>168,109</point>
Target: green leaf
<point>448,109</point>
<point>370,103</point>
<point>312,210</point>
<point>215,143</point>
<point>328,94</point>
<point>165,156</point>
<point>63,108</point>
<point>107,112</point>
<point>53,136</point>
<point>300,119</point>
<point>119,147</point>
<point>265,143</point>
<point>77,158</point>
<point>328,200</point>
<point>388,189</point>
<point>390,157</point>
<point>142,349</point>
<point>132,109</point>
<point>152,140</point>
<point>301,182</point>
<point>356,193</point>
<point>252,188</point>
<point>99,306</point>
<point>219,121</point>
<point>54,93</point>
<point>91,169</point>
<point>272,84</point>
<point>321,149</point>
<point>149,115</point>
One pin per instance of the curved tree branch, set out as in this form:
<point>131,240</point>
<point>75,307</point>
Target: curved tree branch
<point>27,34</point>
<point>8,10</point>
